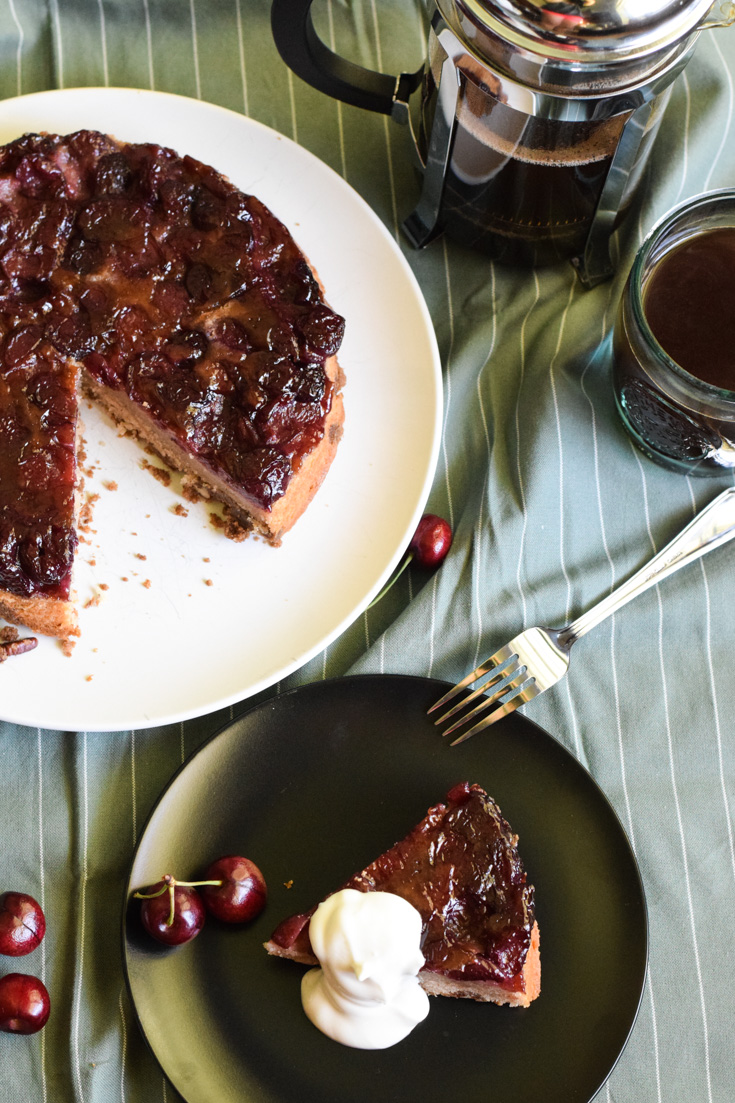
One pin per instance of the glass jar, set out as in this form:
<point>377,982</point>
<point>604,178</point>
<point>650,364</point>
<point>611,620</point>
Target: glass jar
<point>683,422</point>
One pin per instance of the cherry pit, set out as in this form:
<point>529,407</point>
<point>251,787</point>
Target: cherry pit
<point>233,890</point>
<point>24,999</point>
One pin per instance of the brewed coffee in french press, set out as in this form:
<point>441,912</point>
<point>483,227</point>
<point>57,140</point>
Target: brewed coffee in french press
<point>531,120</point>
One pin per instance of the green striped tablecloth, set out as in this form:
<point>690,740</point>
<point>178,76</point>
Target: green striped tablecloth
<point>550,505</point>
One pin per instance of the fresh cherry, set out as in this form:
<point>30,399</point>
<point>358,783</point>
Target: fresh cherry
<point>241,892</point>
<point>22,924</point>
<point>430,542</point>
<point>171,912</point>
<point>24,1004</point>
<point>427,549</point>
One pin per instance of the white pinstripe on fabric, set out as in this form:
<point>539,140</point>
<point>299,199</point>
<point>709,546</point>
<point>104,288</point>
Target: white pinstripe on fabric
<point>149,45</point>
<point>560,445</point>
<point>675,787</point>
<point>519,465</point>
<point>123,1044</point>
<point>292,101</point>
<point>42,882</point>
<point>56,18</point>
<point>103,43</point>
<point>479,525</point>
<point>685,142</point>
<point>337,103</point>
<point>77,1009</point>
<point>241,55</point>
<point>195,49</point>
<point>726,128</point>
<point>448,384</point>
<point>560,441</point>
<point>716,718</point>
<point>133,789</point>
<point>386,128</point>
<point>19,53</point>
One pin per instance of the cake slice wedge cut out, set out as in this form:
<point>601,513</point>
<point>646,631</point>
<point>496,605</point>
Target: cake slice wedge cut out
<point>460,868</point>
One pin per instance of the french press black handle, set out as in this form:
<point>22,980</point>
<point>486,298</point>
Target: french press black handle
<point>303,51</point>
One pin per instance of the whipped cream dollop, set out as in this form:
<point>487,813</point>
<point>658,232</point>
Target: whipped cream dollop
<point>366,994</point>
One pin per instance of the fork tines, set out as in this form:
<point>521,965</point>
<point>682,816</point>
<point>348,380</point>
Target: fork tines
<point>509,684</point>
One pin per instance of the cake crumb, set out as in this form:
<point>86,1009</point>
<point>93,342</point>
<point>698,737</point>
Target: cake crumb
<point>110,484</point>
<point>147,583</point>
<point>179,510</point>
<point>85,514</point>
<point>191,492</point>
<point>104,586</point>
<point>206,559</point>
<point>93,601</point>
<point>208,582</point>
<point>124,578</point>
<point>139,555</point>
<point>67,646</point>
<point>232,529</point>
<point>160,473</point>
<point>89,677</point>
<point>9,634</point>
<point>288,884</point>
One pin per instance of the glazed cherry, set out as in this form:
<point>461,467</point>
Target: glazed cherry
<point>241,893</point>
<point>24,1004</point>
<point>22,924</point>
<point>171,913</point>
<point>430,542</point>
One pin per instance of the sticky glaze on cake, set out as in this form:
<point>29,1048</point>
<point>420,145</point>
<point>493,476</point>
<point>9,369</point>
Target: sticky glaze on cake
<point>460,868</point>
<point>193,318</point>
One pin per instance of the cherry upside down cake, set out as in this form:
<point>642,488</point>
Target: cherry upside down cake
<point>185,309</point>
<point>460,868</point>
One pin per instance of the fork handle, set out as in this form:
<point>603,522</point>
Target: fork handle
<point>715,525</point>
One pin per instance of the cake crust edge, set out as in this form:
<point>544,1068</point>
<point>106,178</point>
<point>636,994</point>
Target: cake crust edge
<point>49,616</point>
<point>438,984</point>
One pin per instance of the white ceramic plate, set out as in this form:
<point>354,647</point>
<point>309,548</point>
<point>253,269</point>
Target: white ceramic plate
<point>190,621</point>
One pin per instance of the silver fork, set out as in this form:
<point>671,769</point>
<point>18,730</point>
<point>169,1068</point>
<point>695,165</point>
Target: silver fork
<point>539,657</point>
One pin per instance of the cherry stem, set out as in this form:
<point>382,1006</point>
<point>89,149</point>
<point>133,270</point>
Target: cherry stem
<point>392,579</point>
<point>169,885</point>
<point>149,895</point>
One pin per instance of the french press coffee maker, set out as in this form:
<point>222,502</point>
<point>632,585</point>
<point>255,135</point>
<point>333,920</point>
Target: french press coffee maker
<point>531,119</point>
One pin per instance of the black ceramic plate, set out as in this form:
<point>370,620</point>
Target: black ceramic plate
<point>314,784</point>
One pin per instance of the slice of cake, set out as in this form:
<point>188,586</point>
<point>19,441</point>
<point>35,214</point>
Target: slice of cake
<point>461,870</point>
<point>38,435</point>
<point>194,319</point>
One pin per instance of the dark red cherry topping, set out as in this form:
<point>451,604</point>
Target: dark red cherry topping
<point>431,541</point>
<point>24,1004</point>
<point>171,913</point>
<point>166,282</point>
<point>241,893</point>
<point>22,924</point>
